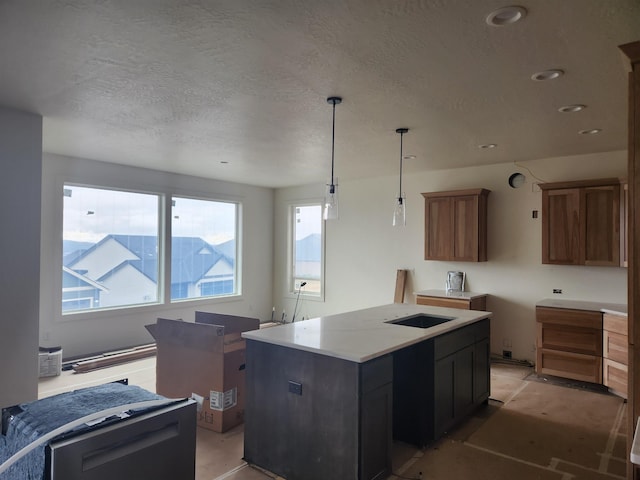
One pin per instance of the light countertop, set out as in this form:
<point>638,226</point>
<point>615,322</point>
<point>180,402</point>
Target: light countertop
<point>446,294</point>
<point>363,335</point>
<point>614,308</point>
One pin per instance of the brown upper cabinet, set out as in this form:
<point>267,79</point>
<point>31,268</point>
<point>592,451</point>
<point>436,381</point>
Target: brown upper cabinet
<point>456,225</point>
<point>582,222</point>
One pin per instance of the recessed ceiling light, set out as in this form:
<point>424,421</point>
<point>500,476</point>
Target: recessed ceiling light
<point>592,131</point>
<point>506,16</point>
<point>224,162</point>
<point>571,108</point>
<point>547,75</point>
<point>488,145</point>
<point>408,157</point>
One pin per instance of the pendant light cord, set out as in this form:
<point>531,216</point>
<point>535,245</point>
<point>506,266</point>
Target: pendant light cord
<point>333,140</point>
<point>400,192</point>
<point>334,101</point>
<point>401,131</point>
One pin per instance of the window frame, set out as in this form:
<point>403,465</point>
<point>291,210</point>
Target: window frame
<point>292,290</point>
<point>164,249</point>
<point>237,238</point>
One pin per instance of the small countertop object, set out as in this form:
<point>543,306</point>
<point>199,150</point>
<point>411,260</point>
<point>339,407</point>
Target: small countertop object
<point>613,308</point>
<point>363,335</point>
<point>449,294</point>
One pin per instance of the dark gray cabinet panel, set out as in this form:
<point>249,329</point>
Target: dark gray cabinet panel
<point>439,382</point>
<point>313,417</point>
<point>375,433</point>
<point>482,371</point>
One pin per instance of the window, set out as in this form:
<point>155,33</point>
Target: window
<point>307,250</point>
<point>110,248</point>
<point>203,248</point>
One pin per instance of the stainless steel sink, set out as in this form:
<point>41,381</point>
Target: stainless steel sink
<point>421,321</point>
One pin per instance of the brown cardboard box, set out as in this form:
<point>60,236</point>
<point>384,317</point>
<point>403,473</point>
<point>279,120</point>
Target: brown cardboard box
<point>49,361</point>
<point>206,361</point>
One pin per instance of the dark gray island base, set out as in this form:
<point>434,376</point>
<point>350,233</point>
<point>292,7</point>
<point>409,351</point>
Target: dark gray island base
<point>311,415</point>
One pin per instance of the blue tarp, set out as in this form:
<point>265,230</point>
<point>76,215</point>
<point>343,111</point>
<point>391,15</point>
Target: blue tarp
<point>43,416</point>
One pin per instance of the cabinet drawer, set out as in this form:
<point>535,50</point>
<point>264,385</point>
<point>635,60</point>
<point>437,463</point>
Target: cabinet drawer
<point>451,342</point>
<point>615,347</point>
<point>443,302</point>
<point>615,323</point>
<point>587,341</point>
<point>375,373</point>
<point>615,376</point>
<point>569,317</point>
<point>587,368</point>
<point>481,329</point>
<point>476,303</point>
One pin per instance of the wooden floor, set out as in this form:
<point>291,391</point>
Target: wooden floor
<point>532,429</point>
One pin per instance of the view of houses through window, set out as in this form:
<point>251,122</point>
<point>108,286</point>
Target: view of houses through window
<point>203,248</point>
<point>306,255</point>
<point>112,249</point>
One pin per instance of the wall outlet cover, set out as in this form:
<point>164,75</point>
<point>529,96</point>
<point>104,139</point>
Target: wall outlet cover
<point>295,387</point>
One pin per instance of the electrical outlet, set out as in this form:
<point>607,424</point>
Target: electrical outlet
<point>558,291</point>
<point>506,353</point>
<point>295,387</point>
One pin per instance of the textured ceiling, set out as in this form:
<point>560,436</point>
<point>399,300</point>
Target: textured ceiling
<point>183,86</point>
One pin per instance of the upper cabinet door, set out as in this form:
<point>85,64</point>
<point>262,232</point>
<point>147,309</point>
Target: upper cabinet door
<point>465,228</point>
<point>581,222</point>
<point>438,218</point>
<point>561,226</point>
<point>456,225</point>
<point>602,225</point>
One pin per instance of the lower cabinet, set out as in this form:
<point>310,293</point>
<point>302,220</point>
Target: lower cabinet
<point>615,347</point>
<point>443,379</point>
<point>482,371</point>
<point>584,345</point>
<point>454,397</point>
<point>569,343</point>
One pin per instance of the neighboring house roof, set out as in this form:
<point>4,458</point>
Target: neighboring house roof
<point>192,257</point>
<point>308,249</point>
<point>73,279</point>
<point>148,267</point>
<point>227,248</point>
<point>72,257</point>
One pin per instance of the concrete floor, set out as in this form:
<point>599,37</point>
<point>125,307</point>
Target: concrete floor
<point>531,429</point>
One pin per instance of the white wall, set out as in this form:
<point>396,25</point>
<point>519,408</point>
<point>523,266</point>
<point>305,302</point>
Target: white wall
<point>363,250</point>
<point>21,160</point>
<point>81,334</point>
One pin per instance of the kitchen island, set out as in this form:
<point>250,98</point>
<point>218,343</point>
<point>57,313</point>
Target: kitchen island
<point>326,396</point>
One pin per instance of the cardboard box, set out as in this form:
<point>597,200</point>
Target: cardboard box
<point>49,361</point>
<point>204,360</point>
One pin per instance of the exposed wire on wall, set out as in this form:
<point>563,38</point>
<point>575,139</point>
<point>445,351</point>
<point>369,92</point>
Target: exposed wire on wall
<point>529,171</point>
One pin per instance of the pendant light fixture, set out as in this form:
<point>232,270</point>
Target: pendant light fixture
<point>331,195</point>
<point>400,212</point>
